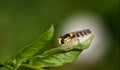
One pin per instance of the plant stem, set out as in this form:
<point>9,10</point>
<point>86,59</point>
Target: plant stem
<point>7,66</point>
<point>32,67</point>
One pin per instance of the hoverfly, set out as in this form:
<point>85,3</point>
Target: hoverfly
<point>73,37</point>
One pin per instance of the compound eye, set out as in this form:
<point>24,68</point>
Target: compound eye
<point>62,41</point>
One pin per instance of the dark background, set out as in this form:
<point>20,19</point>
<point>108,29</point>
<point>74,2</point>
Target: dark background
<point>22,21</point>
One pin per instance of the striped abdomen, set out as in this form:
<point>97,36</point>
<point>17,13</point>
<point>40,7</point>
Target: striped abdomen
<point>73,35</point>
<point>81,33</point>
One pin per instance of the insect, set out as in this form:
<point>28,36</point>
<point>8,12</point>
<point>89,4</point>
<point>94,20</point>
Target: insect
<point>73,37</point>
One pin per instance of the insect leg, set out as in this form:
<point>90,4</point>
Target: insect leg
<point>79,43</point>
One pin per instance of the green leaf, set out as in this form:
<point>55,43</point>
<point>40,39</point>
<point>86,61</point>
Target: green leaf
<point>33,48</point>
<point>59,56</point>
<point>85,44</point>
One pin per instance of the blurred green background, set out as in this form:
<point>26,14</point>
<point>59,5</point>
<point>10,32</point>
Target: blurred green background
<point>22,21</point>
